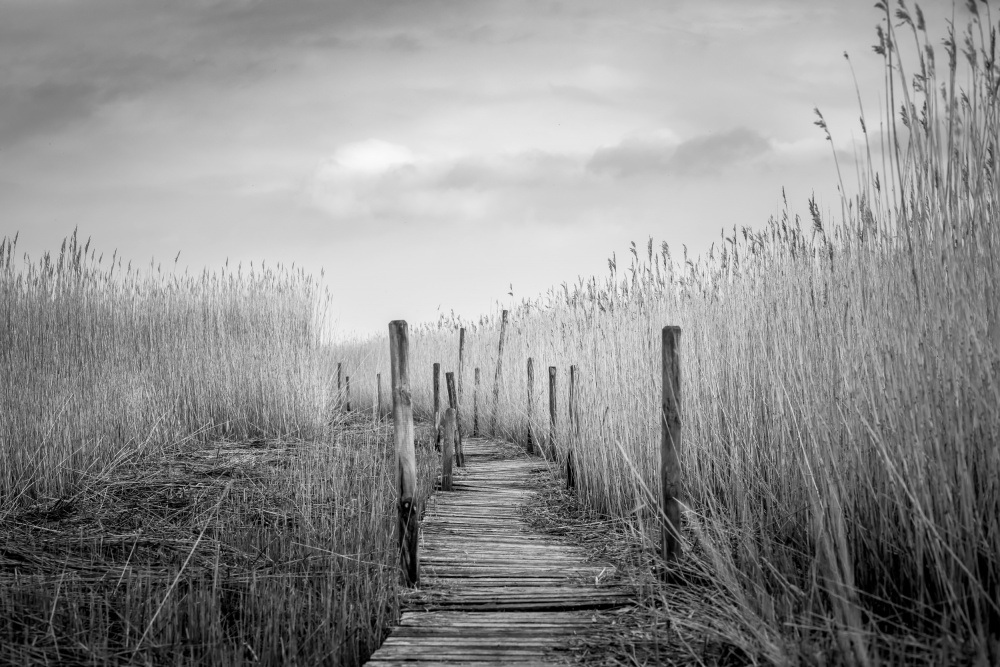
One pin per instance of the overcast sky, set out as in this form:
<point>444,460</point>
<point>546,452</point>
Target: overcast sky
<point>425,153</point>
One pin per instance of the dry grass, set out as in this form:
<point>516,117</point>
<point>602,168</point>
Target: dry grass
<point>179,483</point>
<point>840,391</point>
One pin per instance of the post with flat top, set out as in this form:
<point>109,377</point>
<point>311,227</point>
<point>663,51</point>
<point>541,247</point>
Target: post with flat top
<point>408,524</point>
<point>574,430</point>
<point>670,443</point>
<point>475,405</point>
<point>453,403</point>
<point>340,391</point>
<point>458,403</point>
<point>347,389</point>
<point>531,404</point>
<point>448,448</point>
<point>437,406</point>
<point>552,412</point>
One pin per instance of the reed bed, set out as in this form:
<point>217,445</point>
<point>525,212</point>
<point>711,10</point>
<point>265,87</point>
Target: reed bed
<point>179,480</point>
<point>840,387</point>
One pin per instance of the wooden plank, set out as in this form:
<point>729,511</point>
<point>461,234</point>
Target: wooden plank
<point>494,591</point>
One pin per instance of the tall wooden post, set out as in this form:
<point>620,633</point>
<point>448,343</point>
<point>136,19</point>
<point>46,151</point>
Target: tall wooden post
<point>458,404</point>
<point>453,403</point>
<point>448,448</point>
<point>408,525</point>
<point>670,443</point>
<point>347,390</point>
<point>574,430</point>
<point>496,380</point>
<point>531,403</point>
<point>475,405</point>
<point>378,405</point>
<point>552,411</point>
<point>437,406</point>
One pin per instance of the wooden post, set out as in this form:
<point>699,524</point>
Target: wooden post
<point>437,406</point>
<point>340,393</point>
<point>453,402</point>
<point>448,449</point>
<point>408,524</point>
<point>496,380</point>
<point>531,403</point>
<point>378,405</point>
<point>475,405</point>
<point>670,443</point>
<point>574,430</point>
<point>552,411</point>
<point>347,390</point>
<point>458,404</point>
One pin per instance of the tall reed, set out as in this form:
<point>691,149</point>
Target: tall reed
<point>840,385</point>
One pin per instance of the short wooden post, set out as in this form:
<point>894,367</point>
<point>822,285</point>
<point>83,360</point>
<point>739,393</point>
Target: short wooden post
<point>458,404</point>
<point>670,443</point>
<point>408,524</point>
<point>453,403</point>
<point>378,405</point>
<point>531,403</point>
<point>475,405</point>
<point>437,406</point>
<point>448,448</point>
<point>552,411</point>
<point>496,380</point>
<point>347,392</point>
<point>574,431</point>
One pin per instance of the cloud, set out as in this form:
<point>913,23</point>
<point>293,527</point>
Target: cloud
<point>660,154</point>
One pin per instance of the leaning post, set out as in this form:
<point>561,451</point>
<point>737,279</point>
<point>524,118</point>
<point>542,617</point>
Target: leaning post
<point>448,448</point>
<point>347,390</point>
<point>552,411</point>
<point>670,443</point>
<point>453,403</point>
<point>408,523</point>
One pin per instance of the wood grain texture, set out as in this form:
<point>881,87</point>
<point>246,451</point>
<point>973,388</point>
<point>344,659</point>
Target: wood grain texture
<point>494,591</point>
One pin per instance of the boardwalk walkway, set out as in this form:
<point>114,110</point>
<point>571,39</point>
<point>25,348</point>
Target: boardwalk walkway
<point>493,591</point>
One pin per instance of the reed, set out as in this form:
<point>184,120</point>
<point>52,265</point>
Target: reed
<point>840,386</point>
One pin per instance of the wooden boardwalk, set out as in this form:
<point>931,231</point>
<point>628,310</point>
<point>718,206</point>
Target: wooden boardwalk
<point>493,591</point>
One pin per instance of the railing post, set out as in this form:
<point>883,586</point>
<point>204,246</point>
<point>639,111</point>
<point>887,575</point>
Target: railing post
<point>408,524</point>
<point>437,406</point>
<point>340,391</point>
<point>574,430</point>
<point>458,403</point>
<point>670,443</point>
<point>475,405</point>
<point>531,403</point>
<point>448,448</point>
<point>552,412</point>
<point>453,402</point>
<point>496,380</point>
<point>378,405</point>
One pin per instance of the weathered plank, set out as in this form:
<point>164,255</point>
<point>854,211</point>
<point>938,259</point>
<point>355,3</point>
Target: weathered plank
<point>494,591</point>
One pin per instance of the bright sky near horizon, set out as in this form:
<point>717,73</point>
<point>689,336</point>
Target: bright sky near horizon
<point>427,154</point>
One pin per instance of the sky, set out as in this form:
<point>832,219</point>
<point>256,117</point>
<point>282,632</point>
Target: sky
<point>425,155</point>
